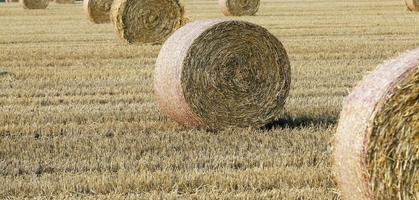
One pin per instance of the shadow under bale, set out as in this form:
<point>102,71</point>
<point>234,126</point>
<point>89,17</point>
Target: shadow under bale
<point>301,121</point>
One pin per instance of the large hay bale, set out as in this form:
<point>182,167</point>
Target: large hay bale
<point>98,11</point>
<point>412,5</point>
<point>239,7</point>
<point>216,74</point>
<point>64,1</point>
<point>377,141</point>
<point>34,4</point>
<point>146,21</point>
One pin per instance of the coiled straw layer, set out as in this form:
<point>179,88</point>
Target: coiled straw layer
<point>34,4</point>
<point>216,74</point>
<point>412,5</point>
<point>146,21</point>
<point>377,141</point>
<point>98,11</point>
<point>239,7</point>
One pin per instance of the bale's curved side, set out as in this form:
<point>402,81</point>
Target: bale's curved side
<point>354,141</point>
<point>239,7</point>
<point>168,73</point>
<point>412,5</point>
<point>216,74</point>
<point>34,4</point>
<point>98,11</point>
<point>146,21</point>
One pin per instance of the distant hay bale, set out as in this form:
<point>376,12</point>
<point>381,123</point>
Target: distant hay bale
<point>239,7</point>
<point>216,74</point>
<point>34,4</point>
<point>412,5</point>
<point>146,21</point>
<point>377,141</point>
<point>64,1</point>
<point>98,11</point>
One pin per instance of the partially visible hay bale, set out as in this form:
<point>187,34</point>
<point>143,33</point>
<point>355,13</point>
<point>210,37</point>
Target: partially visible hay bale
<point>98,11</point>
<point>146,21</point>
<point>64,1</point>
<point>412,5</point>
<point>34,4</point>
<point>377,141</point>
<point>216,74</point>
<point>239,7</point>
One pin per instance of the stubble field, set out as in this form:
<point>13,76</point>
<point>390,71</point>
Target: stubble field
<point>78,119</point>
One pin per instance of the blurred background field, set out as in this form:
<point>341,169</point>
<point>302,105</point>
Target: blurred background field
<point>77,116</point>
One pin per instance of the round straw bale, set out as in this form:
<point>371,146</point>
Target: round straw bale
<point>239,7</point>
<point>146,21</point>
<point>412,5</point>
<point>98,11</point>
<point>34,4</point>
<point>377,141</point>
<point>64,1</point>
<point>217,74</point>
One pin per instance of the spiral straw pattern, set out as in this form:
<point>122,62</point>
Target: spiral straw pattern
<point>216,74</point>
<point>146,21</point>
<point>239,7</point>
<point>34,4</point>
<point>377,141</point>
<point>98,11</point>
<point>412,5</point>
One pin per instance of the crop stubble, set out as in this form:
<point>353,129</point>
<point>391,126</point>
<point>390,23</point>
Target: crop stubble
<point>78,116</point>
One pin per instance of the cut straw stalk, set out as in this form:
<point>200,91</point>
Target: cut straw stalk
<point>98,11</point>
<point>146,21</point>
<point>34,4</point>
<point>239,7</point>
<point>377,141</point>
<point>216,74</point>
<point>412,5</point>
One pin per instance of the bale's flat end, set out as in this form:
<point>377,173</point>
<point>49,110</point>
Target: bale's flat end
<point>239,7</point>
<point>98,11</point>
<point>34,4</point>
<point>146,21</point>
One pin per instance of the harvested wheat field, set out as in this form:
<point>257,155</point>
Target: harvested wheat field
<point>78,116</point>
